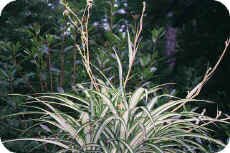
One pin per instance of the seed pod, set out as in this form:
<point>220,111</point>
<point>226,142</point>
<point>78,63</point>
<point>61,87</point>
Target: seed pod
<point>65,12</point>
<point>89,3</point>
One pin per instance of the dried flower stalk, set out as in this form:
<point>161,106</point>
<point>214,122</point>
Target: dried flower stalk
<point>133,46</point>
<point>209,73</point>
<point>82,27</point>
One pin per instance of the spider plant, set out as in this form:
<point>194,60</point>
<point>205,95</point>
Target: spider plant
<point>110,120</point>
<point>105,118</point>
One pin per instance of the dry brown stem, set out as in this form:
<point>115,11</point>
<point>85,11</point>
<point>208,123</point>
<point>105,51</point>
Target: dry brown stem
<point>135,45</point>
<point>81,26</point>
<point>209,73</point>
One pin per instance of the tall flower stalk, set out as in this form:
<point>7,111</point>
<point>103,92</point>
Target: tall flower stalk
<point>81,25</point>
